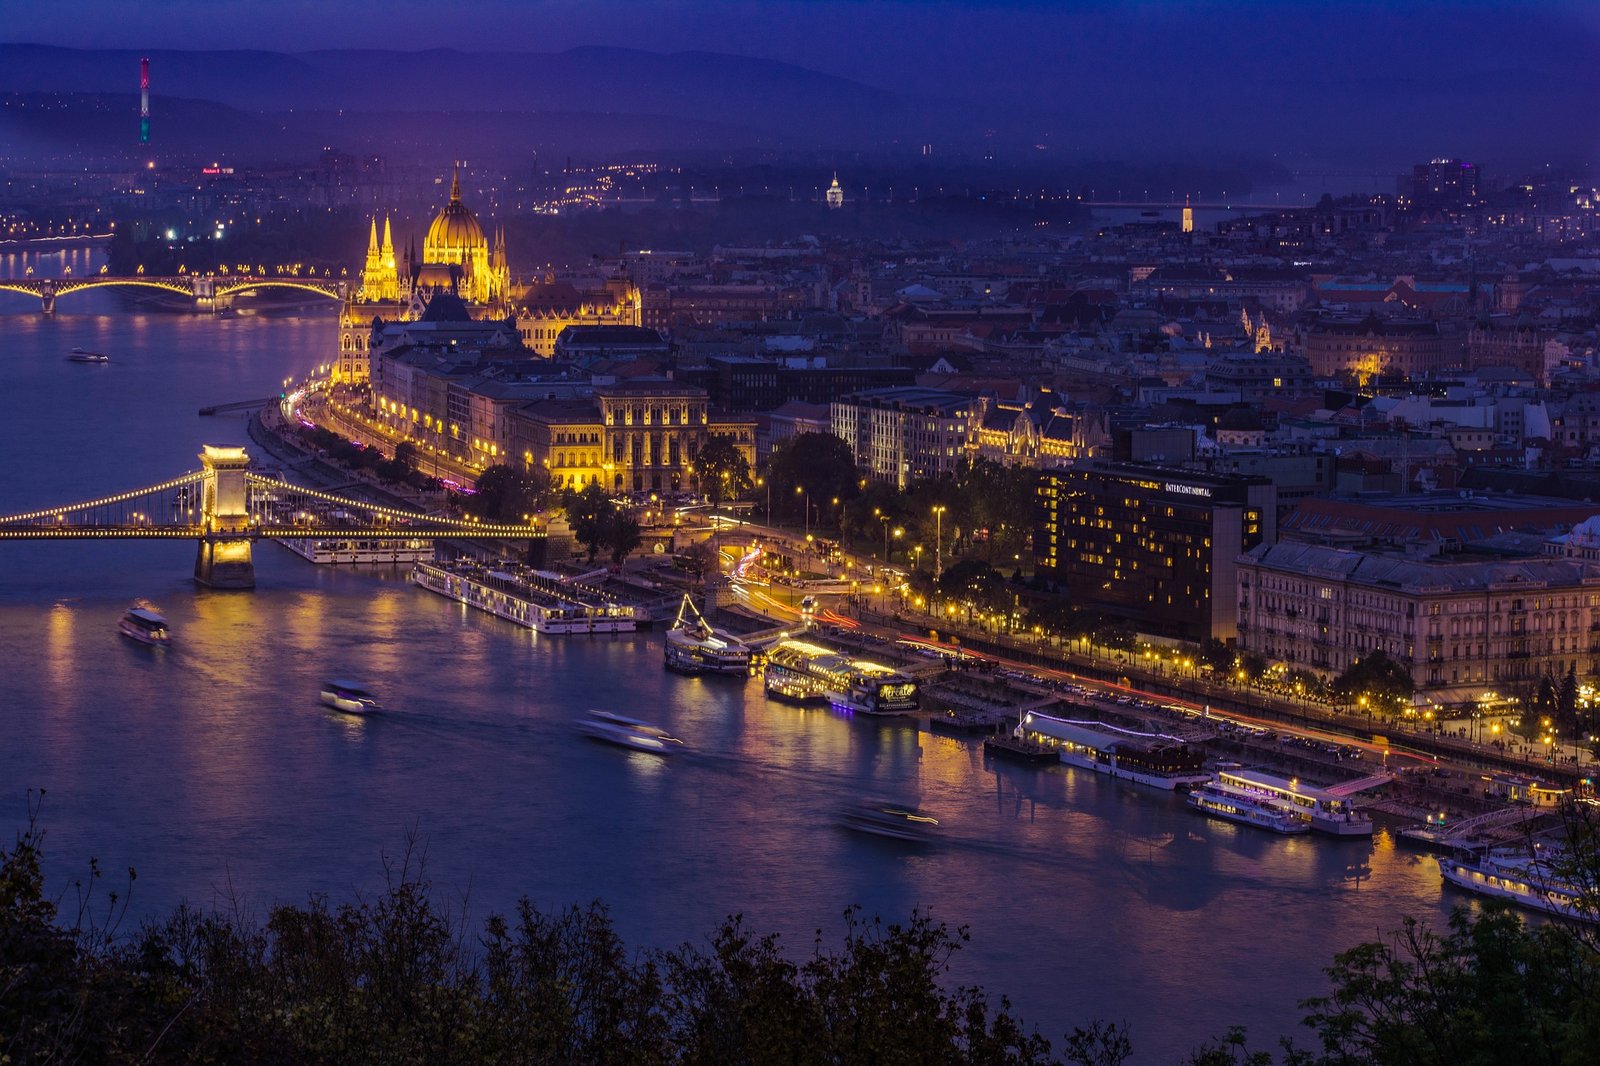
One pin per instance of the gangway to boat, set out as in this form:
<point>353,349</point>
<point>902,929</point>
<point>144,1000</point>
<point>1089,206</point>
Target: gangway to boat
<point>763,637</point>
<point>1360,784</point>
<point>1491,827</point>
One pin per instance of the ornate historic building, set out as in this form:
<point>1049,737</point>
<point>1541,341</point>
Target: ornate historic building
<point>457,257</point>
<point>1369,347</point>
<point>1460,626</point>
<point>634,436</point>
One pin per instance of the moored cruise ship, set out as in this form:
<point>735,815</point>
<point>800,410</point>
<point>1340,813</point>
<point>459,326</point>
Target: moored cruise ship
<point>355,550</point>
<point>1230,806</point>
<point>1152,759</point>
<point>692,646</point>
<point>541,602</point>
<point>803,672</point>
<point>1522,879</point>
<point>1324,810</point>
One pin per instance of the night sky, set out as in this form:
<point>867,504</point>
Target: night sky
<point>1507,82</point>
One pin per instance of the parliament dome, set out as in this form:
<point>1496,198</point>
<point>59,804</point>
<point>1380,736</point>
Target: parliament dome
<point>455,228</point>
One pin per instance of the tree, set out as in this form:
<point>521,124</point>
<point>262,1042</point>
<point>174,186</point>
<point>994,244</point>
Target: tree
<point>620,534</point>
<point>398,978</point>
<point>406,455</point>
<point>821,464</point>
<point>588,515</point>
<point>700,557</point>
<point>506,495</point>
<point>1567,703</point>
<point>1489,990</point>
<point>1217,655</point>
<point>724,471</point>
<point>1385,684</point>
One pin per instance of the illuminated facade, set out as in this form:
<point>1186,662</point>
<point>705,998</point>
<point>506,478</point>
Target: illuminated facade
<point>1151,545</point>
<point>456,257</point>
<point>641,436</point>
<point>835,193</point>
<point>1364,349</point>
<point>900,435</point>
<point>1460,628</point>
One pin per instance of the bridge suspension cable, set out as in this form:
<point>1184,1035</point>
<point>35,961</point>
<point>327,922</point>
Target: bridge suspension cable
<point>388,512</point>
<point>191,478</point>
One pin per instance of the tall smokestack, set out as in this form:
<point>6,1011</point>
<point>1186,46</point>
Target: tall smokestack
<point>144,100</point>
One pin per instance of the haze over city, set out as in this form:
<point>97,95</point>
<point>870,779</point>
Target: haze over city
<point>1354,86</point>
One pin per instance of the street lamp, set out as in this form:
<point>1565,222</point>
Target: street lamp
<point>938,540</point>
<point>805,505</point>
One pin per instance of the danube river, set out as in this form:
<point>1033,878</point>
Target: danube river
<point>212,769</point>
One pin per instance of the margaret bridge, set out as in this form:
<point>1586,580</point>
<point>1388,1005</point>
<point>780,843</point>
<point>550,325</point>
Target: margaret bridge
<point>226,508</point>
<point>211,291</point>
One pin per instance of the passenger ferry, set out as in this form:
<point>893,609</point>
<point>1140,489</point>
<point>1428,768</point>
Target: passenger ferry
<point>83,355</point>
<point>805,673</point>
<point>340,551</point>
<point>349,697</point>
<point>628,733</point>
<point>694,647</point>
<point>144,623</point>
<point>541,602</point>
<point>1152,759</point>
<point>1521,879</point>
<point>1223,803</point>
<point>1324,811</point>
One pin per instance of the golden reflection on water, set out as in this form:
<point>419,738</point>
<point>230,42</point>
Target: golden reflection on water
<point>61,645</point>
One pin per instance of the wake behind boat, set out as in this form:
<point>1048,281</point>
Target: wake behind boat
<point>886,818</point>
<point>143,623</point>
<point>349,697</point>
<point>84,355</point>
<point>693,646</point>
<point>628,733</point>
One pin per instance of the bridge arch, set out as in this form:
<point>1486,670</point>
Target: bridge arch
<point>330,289</point>
<point>63,286</point>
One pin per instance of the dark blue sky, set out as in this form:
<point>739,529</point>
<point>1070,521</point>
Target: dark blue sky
<point>1509,82</point>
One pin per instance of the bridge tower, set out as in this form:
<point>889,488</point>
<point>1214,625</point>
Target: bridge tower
<point>225,560</point>
<point>47,296</point>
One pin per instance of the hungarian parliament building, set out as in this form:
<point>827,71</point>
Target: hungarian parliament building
<point>456,257</point>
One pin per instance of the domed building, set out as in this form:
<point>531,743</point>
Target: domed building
<point>456,243</point>
<point>455,258</point>
<point>459,258</point>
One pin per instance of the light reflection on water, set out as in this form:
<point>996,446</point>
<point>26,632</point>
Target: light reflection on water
<point>214,769</point>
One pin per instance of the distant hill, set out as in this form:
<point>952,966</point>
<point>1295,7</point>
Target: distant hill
<point>44,125</point>
<point>757,98</point>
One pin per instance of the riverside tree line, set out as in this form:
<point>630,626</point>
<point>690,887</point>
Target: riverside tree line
<point>404,978</point>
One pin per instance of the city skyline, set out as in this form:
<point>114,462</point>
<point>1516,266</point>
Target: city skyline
<point>1084,483</point>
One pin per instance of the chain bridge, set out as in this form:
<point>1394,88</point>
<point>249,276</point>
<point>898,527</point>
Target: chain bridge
<point>226,508</point>
<point>209,290</point>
